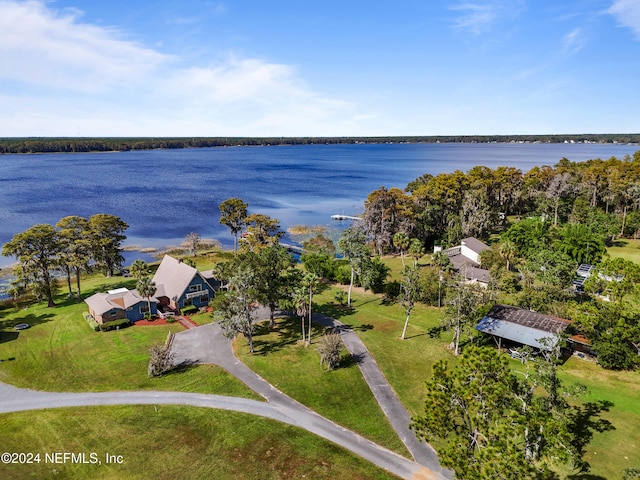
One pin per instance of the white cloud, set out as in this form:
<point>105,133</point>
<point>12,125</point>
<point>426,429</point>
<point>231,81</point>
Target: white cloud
<point>573,41</point>
<point>627,12</point>
<point>60,75</point>
<point>480,16</point>
<point>41,47</point>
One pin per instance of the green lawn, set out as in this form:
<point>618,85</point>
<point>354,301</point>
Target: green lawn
<point>626,248</point>
<point>407,364</point>
<point>341,395</point>
<point>61,353</point>
<point>173,443</point>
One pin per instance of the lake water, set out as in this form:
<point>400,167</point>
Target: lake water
<point>165,194</point>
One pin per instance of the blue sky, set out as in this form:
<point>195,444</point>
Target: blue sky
<point>285,68</point>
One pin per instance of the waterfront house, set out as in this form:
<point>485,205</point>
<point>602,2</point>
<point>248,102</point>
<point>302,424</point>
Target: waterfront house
<point>465,259</point>
<point>179,285</point>
<point>118,304</point>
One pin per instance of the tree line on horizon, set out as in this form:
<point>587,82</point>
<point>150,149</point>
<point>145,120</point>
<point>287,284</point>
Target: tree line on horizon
<point>112,144</point>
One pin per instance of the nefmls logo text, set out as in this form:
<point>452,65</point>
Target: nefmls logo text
<point>69,457</point>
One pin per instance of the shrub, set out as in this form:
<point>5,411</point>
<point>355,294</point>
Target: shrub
<point>392,290</point>
<point>160,360</point>
<point>343,274</point>
<point>330,349</point>
<point>189,310</point>
<point>94,325</point>
<point>122,323</point>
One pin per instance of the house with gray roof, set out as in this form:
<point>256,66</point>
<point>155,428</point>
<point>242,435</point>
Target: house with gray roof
<point>118,304</point>
<point>522,326</point>
<point>465,259</point>
<point>179,285</point>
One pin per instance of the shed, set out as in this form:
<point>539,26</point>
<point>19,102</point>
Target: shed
<point>522,326</point>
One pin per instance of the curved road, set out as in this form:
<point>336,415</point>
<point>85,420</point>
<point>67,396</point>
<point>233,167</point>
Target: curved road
<point>206,344</point>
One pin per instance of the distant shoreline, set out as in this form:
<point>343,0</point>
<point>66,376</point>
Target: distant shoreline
<point>31,145</point>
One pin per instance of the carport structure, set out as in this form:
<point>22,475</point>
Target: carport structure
<point>522,326</point>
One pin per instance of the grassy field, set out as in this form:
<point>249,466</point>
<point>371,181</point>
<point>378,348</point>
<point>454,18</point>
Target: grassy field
<point>61,353</point>
<point>173,443</point>
<point>628,249</point>
<point>407,364</point>
<point>340,395</point>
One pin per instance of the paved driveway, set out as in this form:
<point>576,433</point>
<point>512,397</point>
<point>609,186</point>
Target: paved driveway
<point>206,344</point>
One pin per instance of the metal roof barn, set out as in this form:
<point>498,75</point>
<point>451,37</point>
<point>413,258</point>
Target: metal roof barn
<point>522,326</point>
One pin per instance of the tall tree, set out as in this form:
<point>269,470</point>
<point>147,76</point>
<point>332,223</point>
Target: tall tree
<point>262,231</point>
<point>299,303</point>
<point>410,286</point>
<point>386,213</point>
<point>478,214</point>
<point>559,187</point>
<point>233,214</point>
<point>106,233</point>
<point>235,309</point>
<point>443,262</point>
<point>275,274</point>
<point>75,252</point>
<point>464,301</point>
<point>37,250</point>
<point>416,250</point>
<point>401,241</point>
<point>310,282</point>
<point>193,241</point>
<point>352,245</point>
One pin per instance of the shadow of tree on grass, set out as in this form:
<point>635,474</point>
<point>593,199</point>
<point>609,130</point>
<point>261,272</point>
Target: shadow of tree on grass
<point>8,334</point>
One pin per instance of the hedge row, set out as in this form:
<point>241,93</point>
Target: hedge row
<point>122,323</point>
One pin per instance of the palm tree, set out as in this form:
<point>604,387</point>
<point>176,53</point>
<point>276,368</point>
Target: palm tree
<point>416,250</point>
<point>443,262</point>
<point>508,250</point>
<point>410,291</point>
<point>139,269</point>
<point>299,304</point>
<point>147,288</point>
<point>401,241</point>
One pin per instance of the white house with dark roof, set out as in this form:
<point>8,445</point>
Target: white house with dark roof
<point>118,304</point>
<point>465,259</point>
<point>179,285</point>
